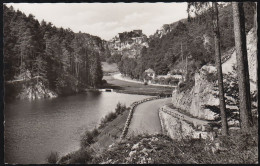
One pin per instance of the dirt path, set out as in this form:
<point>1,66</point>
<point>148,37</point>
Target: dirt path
<point>146,119</point>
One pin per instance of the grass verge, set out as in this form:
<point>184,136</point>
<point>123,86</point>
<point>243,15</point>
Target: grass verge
<point>93,142</point>
<point>135,88</point>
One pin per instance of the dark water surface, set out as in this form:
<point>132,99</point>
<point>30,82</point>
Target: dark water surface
<point>35,128</point>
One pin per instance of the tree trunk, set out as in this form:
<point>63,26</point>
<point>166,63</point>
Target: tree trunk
<point>255,17</point>
<point>21,64</point>
<point>86,68</point>
<point>186,73</point>
<point>257,60</point>
<point>182,75</point>
<point>222,103</point>
<point>38,74</point>
<point>242,66</point>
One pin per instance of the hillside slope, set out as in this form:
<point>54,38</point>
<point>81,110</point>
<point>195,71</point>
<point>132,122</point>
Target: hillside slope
<point>227,67</point>
<point>128,44</point>
<point>63,62</point>
<point>194,40</point>
<point>204,91</point>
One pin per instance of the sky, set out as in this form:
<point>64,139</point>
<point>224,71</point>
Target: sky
<point>106,20</point>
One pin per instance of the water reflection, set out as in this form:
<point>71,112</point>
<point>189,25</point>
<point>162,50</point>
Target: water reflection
<point>35,128</point>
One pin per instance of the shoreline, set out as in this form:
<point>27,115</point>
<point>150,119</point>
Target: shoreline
<point>119,76</point>
<point>108,134</point>
<point>127,87</point>
<point>139,93</point>
<point>114,129</point>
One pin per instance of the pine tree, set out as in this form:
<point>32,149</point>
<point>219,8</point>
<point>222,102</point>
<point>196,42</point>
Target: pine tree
<point>219,71</point>
<point>64,57</point>
<point>57,56</point>
<point>87,75</point>
<point>25,50</point>
<point>200,8</point>
<point>39,67</point>
<point>242,67</point>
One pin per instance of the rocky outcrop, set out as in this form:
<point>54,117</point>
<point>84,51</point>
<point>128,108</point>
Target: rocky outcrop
<point>27,87</point>
<point>128,44</point>
<point>251,53</point>
<point>35,91</point>
<point>203,93</point>
<point>182,100</point>
<point>165,29</point>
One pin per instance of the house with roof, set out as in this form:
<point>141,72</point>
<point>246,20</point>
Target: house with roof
<point>150,72</point>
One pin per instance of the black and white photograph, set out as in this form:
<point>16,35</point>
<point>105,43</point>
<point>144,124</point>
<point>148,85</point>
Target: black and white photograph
<point>129,82</point>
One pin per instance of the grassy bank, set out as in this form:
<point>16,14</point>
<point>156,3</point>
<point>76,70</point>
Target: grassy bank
<point>109,68</point>
<point>103,146</point>
<point>135,88</point>
<point>94,142</point>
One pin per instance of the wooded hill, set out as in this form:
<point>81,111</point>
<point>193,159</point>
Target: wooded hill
<point>193,37</point>
<point>67,62</point>
<point>61,60</point>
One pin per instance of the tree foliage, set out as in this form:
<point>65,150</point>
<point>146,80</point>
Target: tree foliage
<point>196,36</point>
<point>66,61</point>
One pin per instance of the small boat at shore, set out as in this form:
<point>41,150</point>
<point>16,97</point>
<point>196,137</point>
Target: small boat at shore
<point>99,90</point>
<point>106,90</point>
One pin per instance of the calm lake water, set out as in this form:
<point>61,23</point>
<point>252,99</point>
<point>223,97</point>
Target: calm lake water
<point>35,128</point>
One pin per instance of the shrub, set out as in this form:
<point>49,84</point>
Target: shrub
<point>112,115</point>
<point>95,132</point>
<point>162,94</point>
<point>109,117</point>
<point>167,81</point>
<point>155,80</point>
<point>187,85</point>
<point>53,158</point>
<point>161,80</point>
<point>211,77</point>
<point>88,138</point>
<point>174,81</point>
<point>120,108</point>
<point>82,156</point>
<point>104,82</point>
<point>231,88</point>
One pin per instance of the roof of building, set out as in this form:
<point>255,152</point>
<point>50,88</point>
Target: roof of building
<point>149,71</point>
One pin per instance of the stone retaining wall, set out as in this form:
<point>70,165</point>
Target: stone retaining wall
<point>179,126</point>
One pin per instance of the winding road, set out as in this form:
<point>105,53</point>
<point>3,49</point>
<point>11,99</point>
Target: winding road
<point>146,118</point>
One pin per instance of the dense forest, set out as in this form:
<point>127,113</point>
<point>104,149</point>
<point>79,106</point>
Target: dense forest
<point>193,39</point>
<point>54,58</point>
<point>64,62</point>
